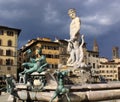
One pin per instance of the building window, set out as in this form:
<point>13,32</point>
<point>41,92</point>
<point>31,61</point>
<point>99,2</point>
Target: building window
<point>56,48</point>
<point>43,46</point>
<point>49,56</point>
<point>88,55</point>
<point>1,61</point>
<point>19,59</point>
<point>56,56</point>
<point>115,71</point>
<point>1,32</point>
<point>56,66</point>
<point>8,68</point>
<point>89,63</point>
<point>10,33</point>
<point>9,43</point>
<point>97,55</point>
<point>93,55</point>
<point>114,53</point>
<point>102,71</point>
<point>9,53</point>
<point>9,62</point>
<point>0,42</point>
<point>1,52</point>
<point>93,65</point>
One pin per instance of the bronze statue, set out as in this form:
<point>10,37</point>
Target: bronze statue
<point>61,90</point>
<point>35,65</point>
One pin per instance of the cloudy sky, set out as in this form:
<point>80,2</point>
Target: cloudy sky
<point>48,18</point>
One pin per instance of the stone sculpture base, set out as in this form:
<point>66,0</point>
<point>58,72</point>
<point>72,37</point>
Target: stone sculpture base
<point>78,93</point>
<point>80,75</point>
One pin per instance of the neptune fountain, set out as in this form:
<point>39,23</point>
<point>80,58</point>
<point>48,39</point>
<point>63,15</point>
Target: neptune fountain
<point>74,84</point>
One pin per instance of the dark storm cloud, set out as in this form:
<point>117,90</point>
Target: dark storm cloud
<point>48,18</point>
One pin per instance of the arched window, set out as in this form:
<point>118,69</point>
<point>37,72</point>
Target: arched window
<point>1,32</point>
<point>9,52</point>
<point>1,52</point>
<point>9,43</point>
<point>0,42</point>
<point>9,62</point>
<point>1,61</point>
<point>10,33</point>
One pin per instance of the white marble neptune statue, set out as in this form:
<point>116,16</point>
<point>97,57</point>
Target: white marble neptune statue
<point>74,47</point>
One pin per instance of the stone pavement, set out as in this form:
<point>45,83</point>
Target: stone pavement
<point>5,97</point>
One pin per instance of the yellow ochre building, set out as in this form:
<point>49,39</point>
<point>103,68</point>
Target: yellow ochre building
<point>8,50</point>
<point>49,48</point>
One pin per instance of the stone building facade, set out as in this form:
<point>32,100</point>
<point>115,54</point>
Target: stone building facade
<point>56,54</point>
<point>50,49</point>
<point>110,69</point>
<point>8,50</point>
